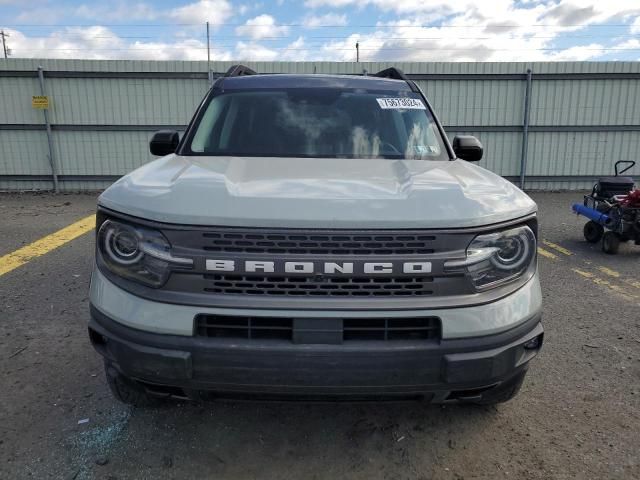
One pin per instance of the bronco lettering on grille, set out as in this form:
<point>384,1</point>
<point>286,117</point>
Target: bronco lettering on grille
<point>317,267</point>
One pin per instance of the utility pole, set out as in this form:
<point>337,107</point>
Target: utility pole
<point>52,160</point>
<point>4,43</point>
<point>209,76</point>
<point>357,52</point>
<point>525,130</point>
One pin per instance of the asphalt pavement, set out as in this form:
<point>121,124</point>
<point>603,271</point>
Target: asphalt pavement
<point>577,416</point>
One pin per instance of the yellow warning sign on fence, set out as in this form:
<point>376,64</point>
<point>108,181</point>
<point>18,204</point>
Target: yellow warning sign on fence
<point>40,101</point>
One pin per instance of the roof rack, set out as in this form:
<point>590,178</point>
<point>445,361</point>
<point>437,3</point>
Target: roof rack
<point>393,73</point>
<point>239,71</point>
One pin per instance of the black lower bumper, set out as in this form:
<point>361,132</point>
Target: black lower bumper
<point>437,371</point>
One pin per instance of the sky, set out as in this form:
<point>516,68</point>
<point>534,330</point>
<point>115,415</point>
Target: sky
<point>325,30</point>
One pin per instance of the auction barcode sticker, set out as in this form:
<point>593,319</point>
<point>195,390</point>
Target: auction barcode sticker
<point>401,103</point>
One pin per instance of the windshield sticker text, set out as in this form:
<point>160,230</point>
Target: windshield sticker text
<point>401,103</point>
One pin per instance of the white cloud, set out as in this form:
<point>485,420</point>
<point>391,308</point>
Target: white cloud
<point>633,43</point>
<point>313,21</point>
<point>254,51</point>
<point>562,13</point>
<point>578,53</point>
<point>457,30</point>
<point>261,26</point>
<point>100,43</point>
<point>508,32</point>
<point>187,49</point>
<point>246,8</point>
<point>294,51</point>
<point>72,42</point>
<point>409,41</point>
<point>213,11</point>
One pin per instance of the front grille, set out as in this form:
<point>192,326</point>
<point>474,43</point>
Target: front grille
<point>317,244</point>
<point>238,245</point>
<point>353,329</point>
<point>323,287</point>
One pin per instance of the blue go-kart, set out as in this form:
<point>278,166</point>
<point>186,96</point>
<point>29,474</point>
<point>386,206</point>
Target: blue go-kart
<point>613,210</point>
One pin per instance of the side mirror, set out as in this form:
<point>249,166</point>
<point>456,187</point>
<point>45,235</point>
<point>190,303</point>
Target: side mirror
<point>164,142</point>
<point>467,148</point>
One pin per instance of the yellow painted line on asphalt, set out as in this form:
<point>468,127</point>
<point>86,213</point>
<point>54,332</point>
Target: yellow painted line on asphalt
<point>583,273</point>
<point>547,253</point>
<point>633,283</point>
<point>605,283</point>
<point>557,247</point>
<point>44,245</point>
<point>610,272</point>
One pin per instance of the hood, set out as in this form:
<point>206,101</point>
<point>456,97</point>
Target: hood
<point>316,193</point>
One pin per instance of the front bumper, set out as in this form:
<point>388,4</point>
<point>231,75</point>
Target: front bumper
<point>452,369</point>
<point>483,319</point>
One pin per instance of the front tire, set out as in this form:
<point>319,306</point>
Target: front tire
<point>610,243</point>
<point>127,390</point>
<point>593,232</point>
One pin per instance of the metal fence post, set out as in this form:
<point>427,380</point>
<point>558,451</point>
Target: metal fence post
<point>209,72</point>
<point>54,170</point>
<point>525,131</point>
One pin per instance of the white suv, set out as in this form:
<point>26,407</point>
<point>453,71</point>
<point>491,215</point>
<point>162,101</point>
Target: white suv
<point>315,236</point>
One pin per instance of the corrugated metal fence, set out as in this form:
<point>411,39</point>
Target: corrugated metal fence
<point>582,116</point>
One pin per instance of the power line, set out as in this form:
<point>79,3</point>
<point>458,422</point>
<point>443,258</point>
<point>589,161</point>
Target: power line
<point>467,49</point>
<point>313,37</point>
<point>110,25</point>
<point>615,25</point>
<point>259,25</point>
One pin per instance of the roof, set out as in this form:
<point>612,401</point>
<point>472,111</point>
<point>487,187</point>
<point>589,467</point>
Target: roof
<point>313,81</point>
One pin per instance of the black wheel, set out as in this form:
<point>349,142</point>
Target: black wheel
<point>127,390</point>
<point>593,232</point>
<point>503,393</point>
<point>610,243</point>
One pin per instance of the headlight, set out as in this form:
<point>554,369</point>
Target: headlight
<point>497,258</point>
<point>137,253</point>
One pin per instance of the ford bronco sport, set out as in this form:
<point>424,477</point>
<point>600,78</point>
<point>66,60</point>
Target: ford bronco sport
<point>315,236</point>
